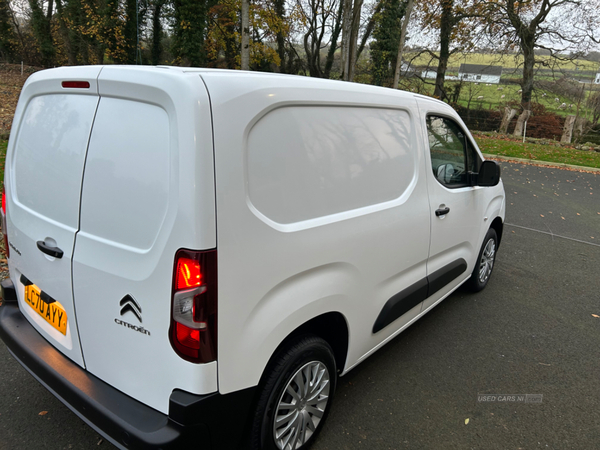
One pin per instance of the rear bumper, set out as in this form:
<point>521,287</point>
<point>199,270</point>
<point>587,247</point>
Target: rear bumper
<point>211,421</point>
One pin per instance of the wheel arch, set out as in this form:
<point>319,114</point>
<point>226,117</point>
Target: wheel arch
<point>332,327</point>
<point>498,226</point>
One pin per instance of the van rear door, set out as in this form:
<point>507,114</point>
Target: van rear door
<point>148,191</point>
<point>45,164</point>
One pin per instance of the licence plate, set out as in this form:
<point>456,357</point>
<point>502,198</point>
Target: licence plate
<point>53,313</point>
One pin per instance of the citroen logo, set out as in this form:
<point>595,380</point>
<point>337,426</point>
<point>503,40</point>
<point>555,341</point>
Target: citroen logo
<point>129,304</point>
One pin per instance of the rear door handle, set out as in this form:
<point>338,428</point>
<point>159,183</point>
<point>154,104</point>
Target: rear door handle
<point>442,211</point>
<point>50,251</point>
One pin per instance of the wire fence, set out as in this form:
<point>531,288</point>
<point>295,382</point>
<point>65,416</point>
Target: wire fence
<point>543,125</point>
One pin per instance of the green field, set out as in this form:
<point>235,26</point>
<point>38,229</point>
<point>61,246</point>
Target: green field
<point>539,152</point>
<point>506,61</point>
<point>492,96</point>
<point>496,96</point>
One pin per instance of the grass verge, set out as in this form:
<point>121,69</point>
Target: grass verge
<point>552,153</point>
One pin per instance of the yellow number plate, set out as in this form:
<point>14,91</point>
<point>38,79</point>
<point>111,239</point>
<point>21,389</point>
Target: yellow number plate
<point>52,313</point>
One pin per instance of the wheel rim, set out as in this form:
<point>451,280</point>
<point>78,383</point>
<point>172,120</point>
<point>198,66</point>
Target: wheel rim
<point>486,264</point>
<point>301,406</point>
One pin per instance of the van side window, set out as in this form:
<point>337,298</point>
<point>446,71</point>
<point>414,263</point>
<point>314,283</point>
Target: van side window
<point>329,160</point>
<point>451,155</point>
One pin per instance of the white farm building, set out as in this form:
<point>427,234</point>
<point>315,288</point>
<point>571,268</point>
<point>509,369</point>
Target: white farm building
<point>480,73</point>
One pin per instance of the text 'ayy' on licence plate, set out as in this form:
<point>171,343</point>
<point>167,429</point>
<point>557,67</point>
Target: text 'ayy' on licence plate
<point>53,313</point>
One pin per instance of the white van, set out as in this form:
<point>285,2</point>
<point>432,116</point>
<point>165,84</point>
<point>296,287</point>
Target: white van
<point>196,255</point>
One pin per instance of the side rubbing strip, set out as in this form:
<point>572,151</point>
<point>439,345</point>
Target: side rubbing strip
<point>400,303</point>
<point>410,297</point>
<point>440,278</point>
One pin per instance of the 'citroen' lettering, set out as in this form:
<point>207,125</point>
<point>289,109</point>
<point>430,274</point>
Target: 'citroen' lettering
<point>133,327</point>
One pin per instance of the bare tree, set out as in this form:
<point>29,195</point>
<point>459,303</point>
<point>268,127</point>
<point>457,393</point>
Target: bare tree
<point>454,22</point>
<point>561,27</point>
<point>245,56</point>
<point>407,13</point>
<point>322,21</point>
<point>350,30</point>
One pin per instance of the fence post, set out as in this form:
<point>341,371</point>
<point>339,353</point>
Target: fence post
<point>568,130</point>
<point>509,113</point>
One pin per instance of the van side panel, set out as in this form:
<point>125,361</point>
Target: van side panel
<point>323,183</point>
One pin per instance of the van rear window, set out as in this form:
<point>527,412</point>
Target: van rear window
<point>126,182</point>
<point>305,162</point>
<point>50,153</point>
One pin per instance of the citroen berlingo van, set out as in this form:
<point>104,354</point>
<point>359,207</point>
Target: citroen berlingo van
<point>196,255</point>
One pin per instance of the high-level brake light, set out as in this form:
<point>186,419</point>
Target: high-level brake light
<point>75,84</point>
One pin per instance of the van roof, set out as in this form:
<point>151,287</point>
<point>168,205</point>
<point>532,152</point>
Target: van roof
<point>288,80</point>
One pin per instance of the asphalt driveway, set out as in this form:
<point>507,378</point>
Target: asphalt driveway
<point>533,330</point>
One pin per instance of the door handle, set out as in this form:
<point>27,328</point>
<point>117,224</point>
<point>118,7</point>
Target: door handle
<point>442,211</point>
<point>50,251</point>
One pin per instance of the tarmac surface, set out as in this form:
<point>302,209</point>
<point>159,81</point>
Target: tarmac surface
<point>534,330</point>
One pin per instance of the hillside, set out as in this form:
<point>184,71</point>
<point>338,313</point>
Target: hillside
<point>506,61</point>
<point>11,82</point>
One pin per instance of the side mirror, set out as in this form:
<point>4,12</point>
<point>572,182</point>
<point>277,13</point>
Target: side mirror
<point>489,173</point>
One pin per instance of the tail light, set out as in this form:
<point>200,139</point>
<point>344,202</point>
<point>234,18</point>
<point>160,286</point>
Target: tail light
<point>4,233</point>
<point>193,330</point>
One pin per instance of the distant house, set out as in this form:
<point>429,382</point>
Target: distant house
<point>407,70</point>
<point>597,80</point>
<point>480,73</point>
<point>432,74</point>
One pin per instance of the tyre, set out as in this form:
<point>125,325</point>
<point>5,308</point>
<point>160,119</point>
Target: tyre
<point>485,262</point>
<point>296,396</point>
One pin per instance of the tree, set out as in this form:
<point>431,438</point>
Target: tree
<point>558,26</point>
<point>321,22</point>
<point>7,37</point>
<point>386,40</point>
<point>245,35</point>
<point>281,26</point>
<point>189,29</point>
<point>157,31</point>
<point>223,42</point>
<point>135,12</point>
<point>407,13</point>
<point>40,22</point>
<point>100,23</point>
<point>280,36</point>
<point>351,15</point>
<point>66,21</point>
<point>454,21</point>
